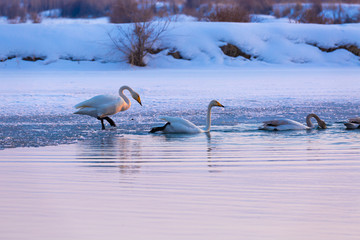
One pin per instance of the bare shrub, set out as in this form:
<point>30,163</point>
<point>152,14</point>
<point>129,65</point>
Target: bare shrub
<point>256,6</point>
<point>341,16</point>
<point>122,11</point>
<point>310,16</point>
<point>229,13</point>
<point>313,14</point>
<point>296,12</point>
<point>127,11</point>
<point>35,18</point>
<point>15,12</point>
<point>286,12</point>
<point>137,40</point>
<point>277,13</point>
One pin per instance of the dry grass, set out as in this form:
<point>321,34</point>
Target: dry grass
<point>229,13</point>
<point>313,14</point>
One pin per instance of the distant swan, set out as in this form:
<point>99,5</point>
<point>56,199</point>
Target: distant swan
<point>287,124</point>
<point>101,106</point>
<point>353,123</point>
<point>179,125</point>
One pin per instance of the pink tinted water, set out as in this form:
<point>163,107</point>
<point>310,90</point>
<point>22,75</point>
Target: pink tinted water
<point>230,185</point>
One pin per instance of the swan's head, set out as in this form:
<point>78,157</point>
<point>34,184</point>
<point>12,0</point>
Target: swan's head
<point>215,103</point>
<point>322,124</point>
<point>136,96</point>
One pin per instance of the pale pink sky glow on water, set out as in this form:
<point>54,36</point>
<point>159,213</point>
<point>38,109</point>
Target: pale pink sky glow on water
<point>228,185</point>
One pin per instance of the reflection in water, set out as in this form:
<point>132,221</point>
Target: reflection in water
<point>130,152</point>
<point>222,148</point>
<point>210,150</point>
<point>112,150</point>
<point>234,183</point>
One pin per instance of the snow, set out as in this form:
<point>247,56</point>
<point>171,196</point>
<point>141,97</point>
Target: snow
<point>268,42</point>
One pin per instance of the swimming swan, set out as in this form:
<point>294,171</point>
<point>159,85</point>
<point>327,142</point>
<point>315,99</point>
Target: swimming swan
<point>287,124</point>
<point>101,106</point>
<point>353,123</point>
<point>179,125</point>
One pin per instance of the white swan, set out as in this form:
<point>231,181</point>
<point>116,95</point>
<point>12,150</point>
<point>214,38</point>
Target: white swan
<point>101,106</point>
<point>353,123</point>
<point>287,124</point>
<point>179,125</point>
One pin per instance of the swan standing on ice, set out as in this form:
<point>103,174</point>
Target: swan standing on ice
<point>287,124</point>
<point>353,123</point>
<point>179,125</point>
<point>101,106</point>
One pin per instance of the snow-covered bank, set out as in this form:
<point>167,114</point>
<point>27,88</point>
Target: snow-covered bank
<point>197,42</point>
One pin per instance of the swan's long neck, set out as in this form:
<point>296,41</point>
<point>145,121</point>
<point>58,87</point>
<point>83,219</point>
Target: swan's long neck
<point>208,119</point>
<point>308,119</point>
<point>122,95</point>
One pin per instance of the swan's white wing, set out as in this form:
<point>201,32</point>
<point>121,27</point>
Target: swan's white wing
<point>100,106</point>
<point>98,101</point>
<point>179,125</point>
<point>283,124</point>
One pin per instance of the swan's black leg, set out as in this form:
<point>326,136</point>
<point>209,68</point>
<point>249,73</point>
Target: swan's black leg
<point>157,129</point>
<point>102,123</point>
<point>112,123</point>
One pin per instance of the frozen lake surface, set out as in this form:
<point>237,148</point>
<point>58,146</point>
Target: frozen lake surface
<point>237,182</point>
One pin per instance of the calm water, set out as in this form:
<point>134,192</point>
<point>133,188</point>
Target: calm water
<point>237,183</point>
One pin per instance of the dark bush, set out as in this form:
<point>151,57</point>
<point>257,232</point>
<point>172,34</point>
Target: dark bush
<point>229,13</point>
<point>128,11</point>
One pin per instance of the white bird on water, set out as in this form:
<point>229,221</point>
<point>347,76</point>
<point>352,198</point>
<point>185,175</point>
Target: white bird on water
<point>101,106</point>
<point>287,124</point>
<point>179,125</point>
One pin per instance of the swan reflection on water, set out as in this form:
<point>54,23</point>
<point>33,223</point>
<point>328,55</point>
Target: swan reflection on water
<point>132,152</point>
<point>225,148</point>
<point>111,151</point>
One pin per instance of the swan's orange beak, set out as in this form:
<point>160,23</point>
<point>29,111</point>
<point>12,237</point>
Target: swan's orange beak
<point>139,100</point>
<point>220,105</point>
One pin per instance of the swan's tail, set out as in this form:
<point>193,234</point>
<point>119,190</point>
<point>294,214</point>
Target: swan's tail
<point>81,105</point>
<point>87,111</point>
<point>159,129</point>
